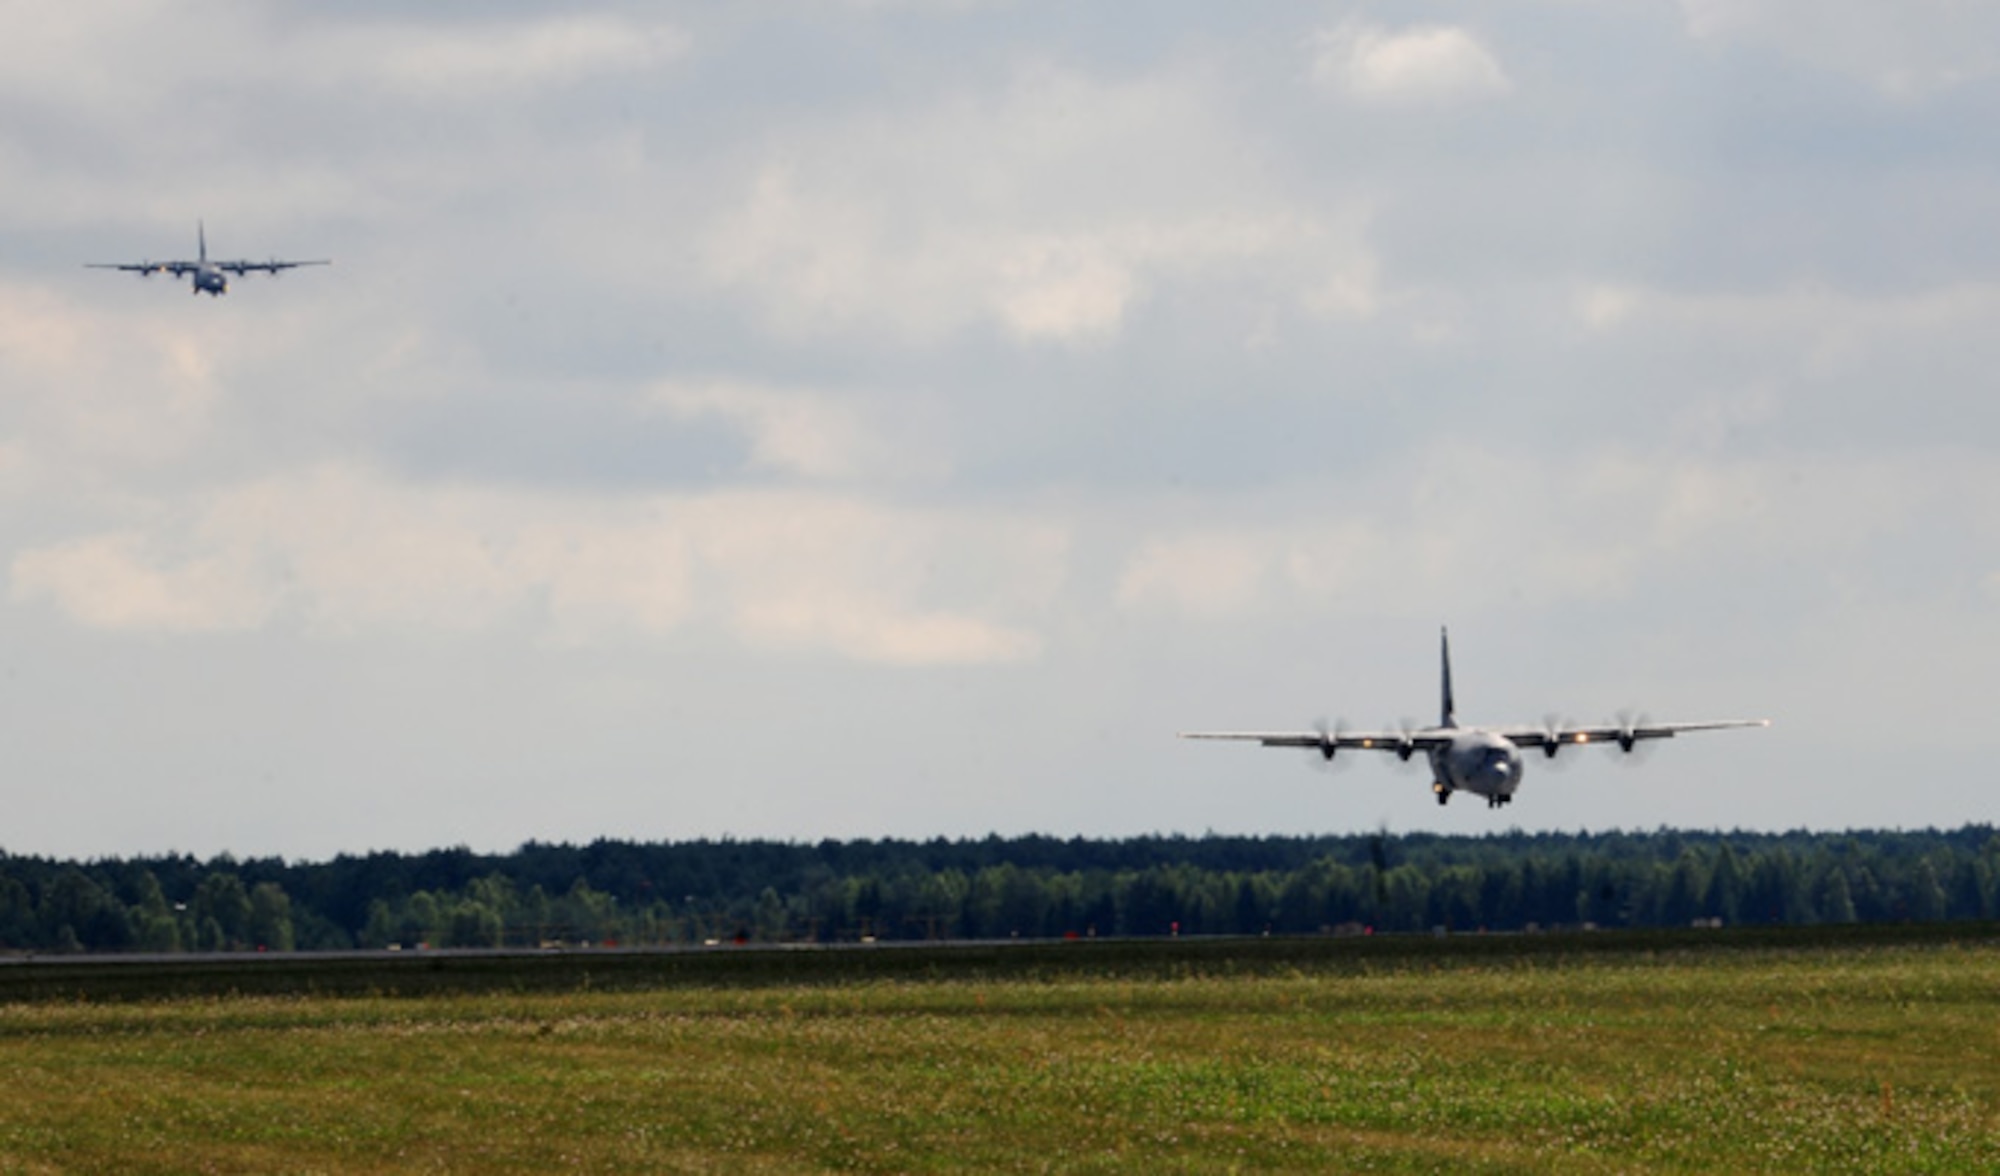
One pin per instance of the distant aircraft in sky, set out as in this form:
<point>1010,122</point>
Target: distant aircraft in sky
<point>209,277</point>
<point>1485,761</point>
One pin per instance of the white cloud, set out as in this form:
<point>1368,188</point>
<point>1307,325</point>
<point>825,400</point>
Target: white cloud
<point>1063,289</point>
<point>1050,213</point>
<point>799,431</point>
<point>1602,306</point>
<point>1350,291</point>
<point>927,6</point>
<point>1421,65</point>
<point>1907,49</point>
<point>1814,307</point>
<point>1477,526</point>
<point>339,550</point>
<point>150,48</point>
<point>1815,330</point>
<point>478,60</point>
<point>117,384</point>
<point>90,386</point>
<point>1198,575</point>
<point>114,582</point>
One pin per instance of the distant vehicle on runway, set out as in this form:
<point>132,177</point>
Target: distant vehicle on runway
<point>208,277</point>
<point>1485,761</point>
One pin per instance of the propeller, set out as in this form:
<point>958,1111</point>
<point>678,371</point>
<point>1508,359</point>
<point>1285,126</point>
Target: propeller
<point>1322,757</point>
<point>1635,749</point>
<point>1558,732</point>
<point>1405,746</point>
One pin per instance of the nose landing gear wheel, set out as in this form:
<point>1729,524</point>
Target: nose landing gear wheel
<point>1443,793</point>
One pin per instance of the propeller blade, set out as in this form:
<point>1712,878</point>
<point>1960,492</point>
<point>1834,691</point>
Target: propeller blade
<point>1632,749</point>
<point>1323,757</point>
<point>1559,731</point>
<point>1406,749</point>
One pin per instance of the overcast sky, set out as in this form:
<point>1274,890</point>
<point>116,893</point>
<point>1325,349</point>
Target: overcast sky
<point>900,418</point>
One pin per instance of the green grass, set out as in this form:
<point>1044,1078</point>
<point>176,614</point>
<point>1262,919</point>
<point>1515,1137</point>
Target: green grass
<point>1864,1057</point>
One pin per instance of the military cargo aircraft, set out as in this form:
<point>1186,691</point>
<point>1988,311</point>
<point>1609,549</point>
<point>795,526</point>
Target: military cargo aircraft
<point>207,277</point>
<point>1485,761</point>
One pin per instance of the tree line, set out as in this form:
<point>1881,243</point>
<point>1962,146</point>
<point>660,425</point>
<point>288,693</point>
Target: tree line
<point>620,892</point>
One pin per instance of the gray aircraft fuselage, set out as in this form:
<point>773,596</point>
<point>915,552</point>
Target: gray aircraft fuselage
<point>1478,762</point>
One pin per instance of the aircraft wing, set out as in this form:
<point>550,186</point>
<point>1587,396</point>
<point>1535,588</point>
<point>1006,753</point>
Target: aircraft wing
<point>1395,741</point>
<point>176,268</point>
<point>1562,735</point>
<point>239,268</point>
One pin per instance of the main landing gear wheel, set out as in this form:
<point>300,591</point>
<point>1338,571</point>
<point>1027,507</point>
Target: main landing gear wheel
<point>1443,793</point>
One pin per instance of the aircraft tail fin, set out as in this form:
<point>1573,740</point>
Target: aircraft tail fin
<point>1449,716</point>
<point>201,239</point>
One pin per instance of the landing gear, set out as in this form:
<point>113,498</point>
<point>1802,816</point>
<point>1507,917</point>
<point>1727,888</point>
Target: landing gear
<point>1497,801</point>
<point>1443,793</point>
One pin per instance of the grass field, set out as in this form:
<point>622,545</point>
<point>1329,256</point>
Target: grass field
<point>1750,1056</point>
